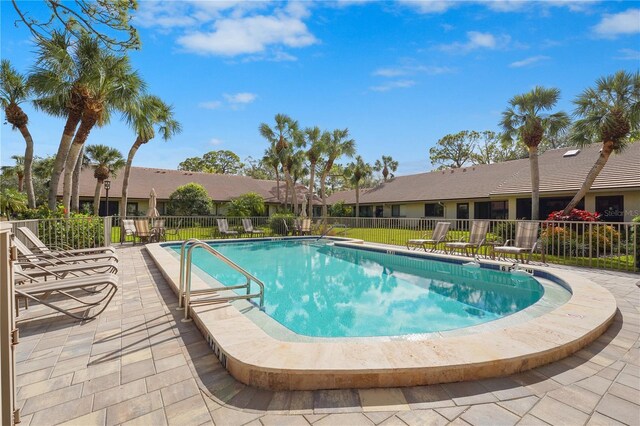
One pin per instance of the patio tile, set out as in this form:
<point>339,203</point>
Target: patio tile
<point>49,399</point>
<point>484,414</point>
<point>336,401</point>
<point>598,419</point>
<point>351,419</point>
<point>63,412</point>
<point>619,409</point>
<point>302,402</point>
<point>179,391</point>
<point>102,383</point>
<point>228,417</point>
<point>451,412</point>
<point>282,420</point>
<point>170,362</point>
<point>34,376</point>
<point>422,397</point>
<point>378,417</point>
<point>96,418</point>
<point>280,402</point>
<point>423,417</point>
<point>393,421</point>
<point>44,386</point>
<point>595,384</point>
<point>557,413</point>
<point>383,400</point>
<point>312,418</point>
<point>137,370</point>
<point>167,378</point>
<point>519,406</point>
<point>154,418</point>
<point>464,393</point>
<point>132,408</point>
<point>576,397</point>
<point>188,411</point>
<point>118,394</point>
<point>529,420</point>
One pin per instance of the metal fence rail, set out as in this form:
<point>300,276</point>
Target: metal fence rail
<point>606,245</point>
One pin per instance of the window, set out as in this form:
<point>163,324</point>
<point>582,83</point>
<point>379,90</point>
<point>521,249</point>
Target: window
<point>395,210</point>
<point>379,211</point>
<point>491,210</point>
<point>611,208</point>
<point>547,205</point>
<point>132,209</point>
<point>366,211</point>
<point>434,210</point>
<point>462,211</point>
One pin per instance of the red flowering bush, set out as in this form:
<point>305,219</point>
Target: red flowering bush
<point>574,216</point>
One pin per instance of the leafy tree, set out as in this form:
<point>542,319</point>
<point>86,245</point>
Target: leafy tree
<point>116,87</point>
<point>454,150</point>
<point>105,20</point>
<point>316,141</point>
<point>609,113</point>
<point>60,80</point>
<point>17,170</point>
<point>190,200</point>
<point>148,116</point>
<point>271,160</point>
<point>249,204</point>
<point>339,209</point>
<point>258,169</point>
<point>285,137</point>
<point>491,148</point>
<point>12,201</point>
<point>338,144</point>
<point>357,172</point>
<point>223,162</point>
<point>523,120</point>
<point>387,165</point>
<point>13,91</point>
<point>106,162</point>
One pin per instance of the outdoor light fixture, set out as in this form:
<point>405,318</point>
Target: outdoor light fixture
<point>107,186</point>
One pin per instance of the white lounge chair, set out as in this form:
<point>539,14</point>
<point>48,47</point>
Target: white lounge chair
<point>526,242</point>
<point>223,228</point>
<point>249,229</point>
<point>477,236</point>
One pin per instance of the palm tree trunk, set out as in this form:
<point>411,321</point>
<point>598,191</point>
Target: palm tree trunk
<point>607,149</point>
<point>357,205</point>
<point>63,150</point>
<point>20,182</point>
<point>311,184</point>
<point>277,185</point>
<point>28,166</point>
<point>323,185</point>
<point>75,191</point>
<point>125,182</point>
<point>535,183</point>
<point>96,197</point>
<point>79,139</point>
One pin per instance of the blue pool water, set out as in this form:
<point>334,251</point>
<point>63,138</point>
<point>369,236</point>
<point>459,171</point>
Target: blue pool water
<point>324,290</point>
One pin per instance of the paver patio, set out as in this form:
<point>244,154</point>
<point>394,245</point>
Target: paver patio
<point>139,364</point>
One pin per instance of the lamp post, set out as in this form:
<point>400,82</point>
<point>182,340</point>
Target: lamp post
<point>107,185</point>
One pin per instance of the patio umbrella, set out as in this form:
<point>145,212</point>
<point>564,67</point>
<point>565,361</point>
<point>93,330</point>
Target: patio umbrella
<point>153,211</point>
<point>304,207</point>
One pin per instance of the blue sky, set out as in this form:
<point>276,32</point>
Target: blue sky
<point>399,75</point>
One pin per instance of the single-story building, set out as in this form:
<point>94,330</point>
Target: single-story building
<point>503,190</point>
<point>221,189</point>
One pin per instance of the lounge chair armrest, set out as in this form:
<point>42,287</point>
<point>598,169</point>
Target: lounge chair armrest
<point>36,266</point>
<point>508,242</point>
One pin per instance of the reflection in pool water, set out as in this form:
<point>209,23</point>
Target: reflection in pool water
<point>328,291</point>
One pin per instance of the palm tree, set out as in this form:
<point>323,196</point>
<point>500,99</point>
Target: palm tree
<point>357,172</point>
<point>117,87</point>
<point>13,91</point>
<point>146,117</point>
<point>60,80</point>
<point>284,137</point>
<point>337,145</point>
<point>386,165</point>
<point>316,141</point>
<point>12,201</point>
<point>523,121</point>
<point>17,169</point>
<point>297,169</point>
<point>106,162</point>
<point>83,162</point>
<point>610,114</point>
<point>271,159</point>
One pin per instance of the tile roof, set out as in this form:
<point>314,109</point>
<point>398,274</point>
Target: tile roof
<point>219,187</point>
<point>557,174</point>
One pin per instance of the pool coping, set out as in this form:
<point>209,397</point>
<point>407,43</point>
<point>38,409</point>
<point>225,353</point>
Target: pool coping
<point>255,358</point>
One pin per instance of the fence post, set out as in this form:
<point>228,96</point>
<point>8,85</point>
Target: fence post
<point>107,220</point>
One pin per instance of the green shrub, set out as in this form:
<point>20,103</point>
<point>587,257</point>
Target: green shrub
<point>339,209</point>
<point>249,204</point>
<point>190,200</point>
<point>276,223</point>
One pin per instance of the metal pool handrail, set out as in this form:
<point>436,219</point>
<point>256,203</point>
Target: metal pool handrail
<point>185,278</point>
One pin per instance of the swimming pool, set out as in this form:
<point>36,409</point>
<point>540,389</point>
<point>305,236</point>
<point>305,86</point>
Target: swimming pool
<point>324,290</point>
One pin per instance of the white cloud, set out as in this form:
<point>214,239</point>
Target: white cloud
<point>410,70</point>
<point>528,61</point>
<point>210,104</point>
<point>215,142</point>
<point>398,84</point>
<point>231,28</point>
<point>428,7</point>
<point>611,26</point>
<point>629,55</point>
<point>477,40</point>
<point>240,98</point>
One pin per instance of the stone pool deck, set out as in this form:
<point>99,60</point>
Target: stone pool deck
<point>139,364</point>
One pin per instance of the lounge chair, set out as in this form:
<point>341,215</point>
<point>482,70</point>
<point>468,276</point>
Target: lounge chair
<point>438,236</point>
<point>305,227</point>
<point>249,229</point>
<point>40,291</point>
<point>158,230</point>
<point>526,242</point>
<point>143,233</point>
<point>129,229</point>
<point>223,228</point>
<point>174,232</point>
<point>477,236</point>
<point>52,259</point>
<point>43,248</point>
